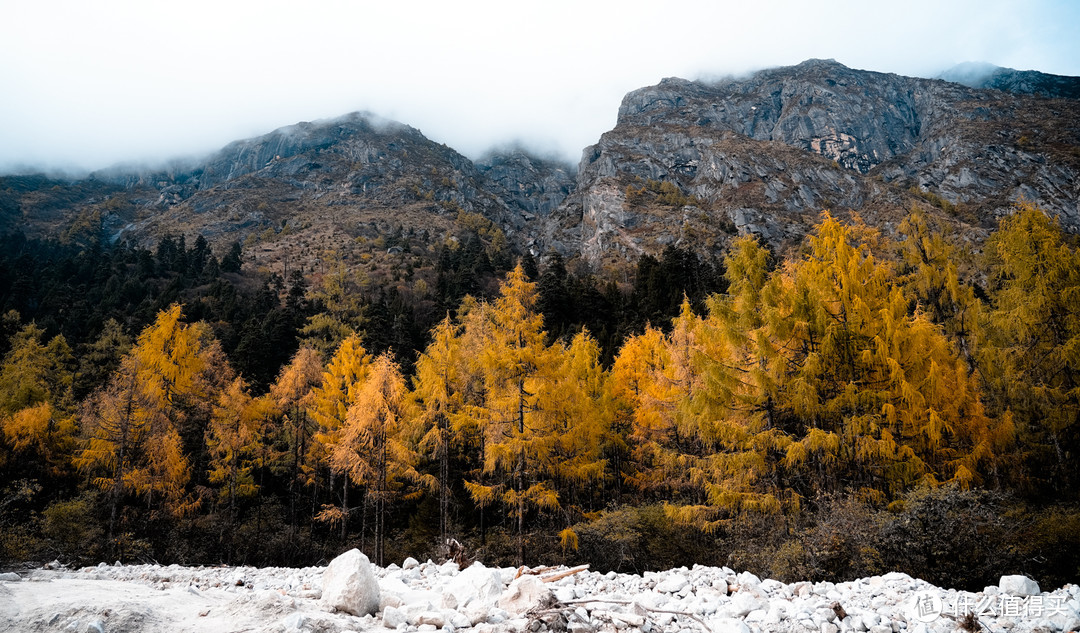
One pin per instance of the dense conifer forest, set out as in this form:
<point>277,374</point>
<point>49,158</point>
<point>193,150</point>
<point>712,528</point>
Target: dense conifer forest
<point>872,403</point>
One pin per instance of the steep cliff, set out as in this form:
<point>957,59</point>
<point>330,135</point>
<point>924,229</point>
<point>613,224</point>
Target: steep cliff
<point>765,154</point>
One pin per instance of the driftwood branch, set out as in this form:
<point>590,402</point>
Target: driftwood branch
<point>563,574</point>
<point>641,606</point>
<point>535,571</point>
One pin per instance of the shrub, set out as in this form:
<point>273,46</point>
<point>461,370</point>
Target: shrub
<point>73,530</point>
<point>951,537</point>
<point>1047,544</point>
<point>636,539</point>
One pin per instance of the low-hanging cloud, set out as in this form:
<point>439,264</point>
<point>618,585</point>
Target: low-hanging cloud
<point>87,85</point>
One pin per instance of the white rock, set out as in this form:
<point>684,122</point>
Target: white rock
<point>627,619</point>
<point>434,618</point>
<point>459,620</point>
<point>741,604</point>
<point>523,594</point>
<point>410,563</point>
<point>448,601</point>
<point>729,625</point>
<point>746,578</point>
<point>672,584</point>
<point>1065,619</point>
<point>1018,586</point>
<point>477,612</point>
<point>349,584</point>
<point>294,622</point>
<point>476,583</point>
<point>393,617</point>
<point>565,594</point>
<point>9,577</point>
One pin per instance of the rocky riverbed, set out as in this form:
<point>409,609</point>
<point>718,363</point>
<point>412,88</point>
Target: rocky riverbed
<point>353,595</point>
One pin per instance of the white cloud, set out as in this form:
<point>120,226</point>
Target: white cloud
<point>88,84</point>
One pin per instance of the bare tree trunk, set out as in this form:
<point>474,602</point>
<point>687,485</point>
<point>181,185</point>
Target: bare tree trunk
<point>444,477</point>
<point>344,508</point>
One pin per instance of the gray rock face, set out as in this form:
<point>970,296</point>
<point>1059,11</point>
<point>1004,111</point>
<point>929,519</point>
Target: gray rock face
<point>534,185</point>
<point>357,162</point>
<point>857,118</point>
<point>767,153</point>
<point>763,154</point>
<point>1032,82</point>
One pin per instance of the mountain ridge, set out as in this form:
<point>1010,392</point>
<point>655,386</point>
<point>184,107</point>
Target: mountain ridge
<point>761,154</point>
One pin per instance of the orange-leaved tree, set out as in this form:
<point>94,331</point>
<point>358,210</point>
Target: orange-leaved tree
<point>234,442</point>
<point>373,449</point>
<point>877,396</point>
<point>37,412</point>
<point>292,394</point>
<point>514,418</point>
<point>440,389</point>
<point>341,381</point>
<point>137,424</point>
<point>1031,356</point>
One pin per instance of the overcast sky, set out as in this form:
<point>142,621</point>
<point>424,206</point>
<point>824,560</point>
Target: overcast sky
<point>86,84</point>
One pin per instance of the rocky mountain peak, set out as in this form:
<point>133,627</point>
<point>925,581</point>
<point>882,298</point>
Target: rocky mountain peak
<point>244,157</point>
<point>857,118</point>
<point>689,161</point>
<point>1029,82</point>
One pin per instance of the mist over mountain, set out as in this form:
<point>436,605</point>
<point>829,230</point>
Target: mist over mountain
<point>983,75</point>
<point>689,164</point>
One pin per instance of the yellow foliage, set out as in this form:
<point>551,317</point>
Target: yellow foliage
<point>163,387</point>
<point>42,429</point>
<point>331,515</point>
<point>568,540</point>
<point>1031,356</point>
<point>233,440</point>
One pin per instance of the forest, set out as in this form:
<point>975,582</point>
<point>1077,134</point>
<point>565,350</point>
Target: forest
<point>871,403</point>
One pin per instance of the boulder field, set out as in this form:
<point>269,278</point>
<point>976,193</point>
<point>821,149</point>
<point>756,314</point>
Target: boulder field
<point>351,594</point>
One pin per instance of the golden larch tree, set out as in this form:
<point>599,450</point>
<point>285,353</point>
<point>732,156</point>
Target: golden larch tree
<point>373,450</point>
<point>517,424</point>
<point>330,402</point>
<point>1031,356</point>
<point>37,413</point>
<point>292,395</point>
<point>438,389</point>
<point>134,425</point>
